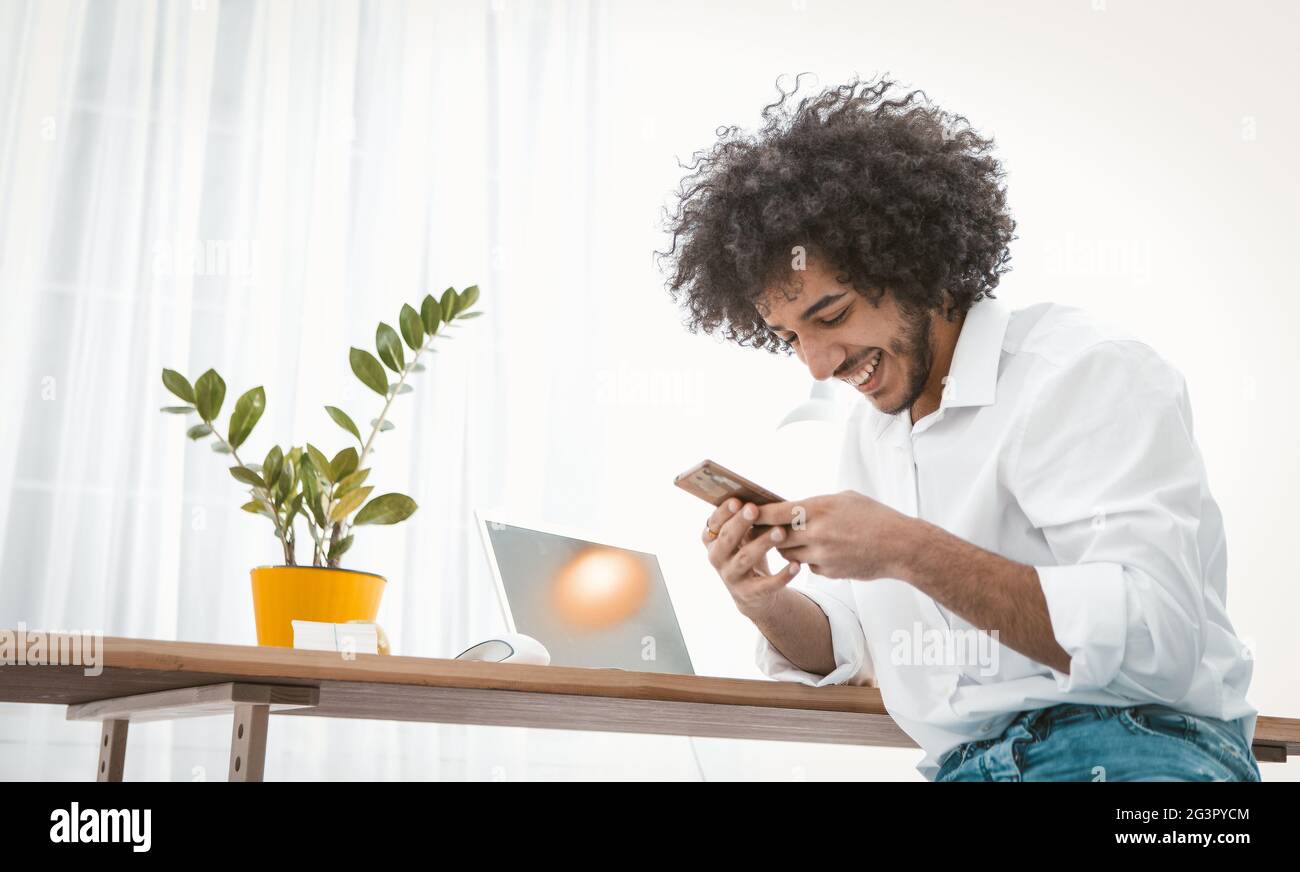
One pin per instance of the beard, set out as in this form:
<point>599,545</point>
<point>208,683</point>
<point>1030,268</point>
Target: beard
<point>912,349</point>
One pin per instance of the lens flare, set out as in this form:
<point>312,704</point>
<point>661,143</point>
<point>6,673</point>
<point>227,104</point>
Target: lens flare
<point>598,587</point>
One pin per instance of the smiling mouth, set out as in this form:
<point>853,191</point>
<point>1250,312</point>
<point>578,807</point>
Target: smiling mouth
<point>866,377</point>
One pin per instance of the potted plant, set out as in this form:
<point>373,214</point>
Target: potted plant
<point>329,495</point>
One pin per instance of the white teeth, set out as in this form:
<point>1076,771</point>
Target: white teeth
<point>862,375</point>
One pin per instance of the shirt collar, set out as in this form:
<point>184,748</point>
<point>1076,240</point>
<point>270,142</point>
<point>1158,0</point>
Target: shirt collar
<point>973,376</point>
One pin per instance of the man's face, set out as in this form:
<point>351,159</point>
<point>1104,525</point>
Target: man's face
<point>880,349</point>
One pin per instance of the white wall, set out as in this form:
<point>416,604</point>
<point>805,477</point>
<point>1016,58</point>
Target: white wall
<point>1150,157</point>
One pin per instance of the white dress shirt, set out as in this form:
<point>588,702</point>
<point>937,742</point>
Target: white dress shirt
<point>1062,444</point>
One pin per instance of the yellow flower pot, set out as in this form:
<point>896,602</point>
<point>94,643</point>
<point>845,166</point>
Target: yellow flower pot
<point>283,594</point>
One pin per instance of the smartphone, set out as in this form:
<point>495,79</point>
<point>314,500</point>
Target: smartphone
<point>715,484</point>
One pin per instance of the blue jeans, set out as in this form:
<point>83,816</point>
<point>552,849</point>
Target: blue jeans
<point>1101,743</point>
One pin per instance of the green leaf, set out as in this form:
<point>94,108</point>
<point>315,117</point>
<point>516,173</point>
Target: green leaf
<point>319,461</point>
<point>467,298</point>
<point>289,473</point>
<point>337,549</point>
<point>311,491</point>
<point>402,388</point>
<point>343,464</point>
<point>417,367</point>
<point>430,314</point>
<point>285,487</point>
<point>273,464</point>
<point>177,410</point>
<point>448,304</point>
<point>412,327</point>
<point>351,481</point>
<point>220,449</point>
<point>306,469</point>
<point>348,503</point>
<point>369,371</point>
<point>341,418</point>
<point>386,509</point>
<point>468,315</point>
<point>248,411</point>
<point>247,476</point>
<point>389,345</point>
<point>210,393</point>
<point>383,428</point>
<point>198,431</point>
<point>256,507</point>
<point>292,511</point>
<point>178,385</point>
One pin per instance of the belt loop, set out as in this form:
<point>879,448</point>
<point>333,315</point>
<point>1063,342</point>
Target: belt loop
<point>1039,724</point>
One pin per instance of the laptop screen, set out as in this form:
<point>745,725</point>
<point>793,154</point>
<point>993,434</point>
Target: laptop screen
<point>589,604</point>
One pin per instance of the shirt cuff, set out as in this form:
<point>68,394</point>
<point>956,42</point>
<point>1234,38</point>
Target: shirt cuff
<point>1089,613</point>
<point>852,660</point>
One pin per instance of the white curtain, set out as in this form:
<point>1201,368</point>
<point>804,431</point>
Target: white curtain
<point>251,186</point>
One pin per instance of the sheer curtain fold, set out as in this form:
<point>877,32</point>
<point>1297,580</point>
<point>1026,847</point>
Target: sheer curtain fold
<point>251,186</point>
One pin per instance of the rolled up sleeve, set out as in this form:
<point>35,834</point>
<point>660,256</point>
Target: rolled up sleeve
<point>852,659</point>
<point>1109,471</point>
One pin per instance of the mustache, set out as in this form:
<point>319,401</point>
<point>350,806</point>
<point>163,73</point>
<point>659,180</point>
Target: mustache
<point>853,365</point>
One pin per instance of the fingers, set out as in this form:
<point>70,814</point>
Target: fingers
<point>750,557</point>
<point>787,539</point>
<point>757,585</point>
<point>794,545</point>
<point>723,513</point>
<point>741,542</point>
<point>802,556</point>
<point>731,535</point>
<point>778,514</point>
<point>733,530</point>
<point>719,516</point>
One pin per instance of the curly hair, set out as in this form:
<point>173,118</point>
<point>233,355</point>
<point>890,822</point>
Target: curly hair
<point>891,191</point>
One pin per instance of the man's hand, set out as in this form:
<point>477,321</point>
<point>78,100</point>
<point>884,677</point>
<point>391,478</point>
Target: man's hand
<point>843,535</point>
<point>850,535</point>
<point>739,553</point>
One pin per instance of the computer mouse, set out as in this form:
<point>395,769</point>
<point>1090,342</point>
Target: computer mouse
<point>508,648</point>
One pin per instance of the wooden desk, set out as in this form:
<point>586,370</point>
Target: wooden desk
<point>151,680</point>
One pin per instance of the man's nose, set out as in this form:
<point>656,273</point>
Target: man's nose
<point>822,361</point>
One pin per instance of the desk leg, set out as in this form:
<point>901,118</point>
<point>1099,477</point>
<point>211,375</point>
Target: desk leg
<point>248,742</point>
<point>112,751</point>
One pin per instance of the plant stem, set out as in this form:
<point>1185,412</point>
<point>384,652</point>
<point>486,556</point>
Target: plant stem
<point>338,529</point>
<point>334,539</point>
<point>285,540</point>
<point>316,552</point>
<point>383,415</point>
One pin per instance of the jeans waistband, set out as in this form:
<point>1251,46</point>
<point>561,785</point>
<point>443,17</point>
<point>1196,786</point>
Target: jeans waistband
<point>1065,713</point>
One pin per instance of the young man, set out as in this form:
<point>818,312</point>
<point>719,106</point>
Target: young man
<point>1029,475</point>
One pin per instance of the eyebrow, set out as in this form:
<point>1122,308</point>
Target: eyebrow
<point>811,310</point>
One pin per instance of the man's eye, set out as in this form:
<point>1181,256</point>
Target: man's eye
<point>844,313</point>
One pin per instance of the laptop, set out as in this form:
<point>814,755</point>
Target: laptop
<point>590,603</point>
